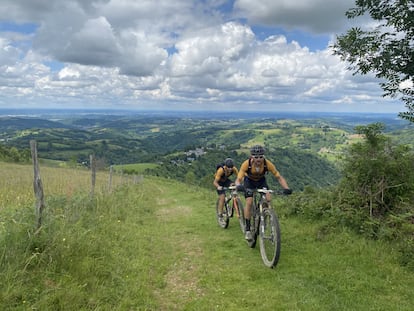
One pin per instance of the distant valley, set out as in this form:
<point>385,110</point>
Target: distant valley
<point>306,146</point>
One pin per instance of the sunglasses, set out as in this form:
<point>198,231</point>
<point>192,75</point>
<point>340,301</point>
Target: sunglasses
<point>258,157</point>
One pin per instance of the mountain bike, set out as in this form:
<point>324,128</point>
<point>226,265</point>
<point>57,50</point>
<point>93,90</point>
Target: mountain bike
<point>264,224</point>
<point>232,203</point>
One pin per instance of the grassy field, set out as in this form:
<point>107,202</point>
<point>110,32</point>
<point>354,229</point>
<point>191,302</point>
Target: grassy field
<point>155,245</point>
<point>136,167</point>
<point>16,182</point>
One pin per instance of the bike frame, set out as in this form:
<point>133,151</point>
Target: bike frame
<point>259,197</point>
<point>228,208</point>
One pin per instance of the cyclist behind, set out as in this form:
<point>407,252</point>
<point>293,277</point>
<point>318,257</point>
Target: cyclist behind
<point>252,174</point>
<point>221,179</point>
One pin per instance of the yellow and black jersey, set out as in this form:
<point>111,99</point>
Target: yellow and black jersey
<point>255,173</point>
<point>224,173</point>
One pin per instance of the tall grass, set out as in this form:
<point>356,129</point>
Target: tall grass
<point>16,183</point>
<point>156,246</point>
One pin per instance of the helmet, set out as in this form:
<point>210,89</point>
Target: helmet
<point>257,150</point>
<point>229,162</point>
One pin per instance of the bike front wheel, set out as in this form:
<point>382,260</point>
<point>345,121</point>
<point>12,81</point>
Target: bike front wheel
<point>222,218</point>
<point>269,238</point>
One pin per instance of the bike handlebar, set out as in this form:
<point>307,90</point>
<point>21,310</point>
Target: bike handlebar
<point>232,188</point>
<point>229,188</point>
<point>262,190</point>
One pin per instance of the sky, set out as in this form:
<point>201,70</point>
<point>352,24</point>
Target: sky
<point>229,55</point>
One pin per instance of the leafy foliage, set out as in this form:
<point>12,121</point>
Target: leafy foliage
<point>380,174</point>
<point>386,50</point>
<point>375,196</point>
<point>13,154</point>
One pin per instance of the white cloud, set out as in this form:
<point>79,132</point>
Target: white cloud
<point>8,53</point>
<point>318,16</point>
<point>406,84</point>
<point>211,51</point>
<point>182,52</point>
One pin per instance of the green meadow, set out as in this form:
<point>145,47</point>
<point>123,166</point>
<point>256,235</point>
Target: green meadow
<point>155,245</point>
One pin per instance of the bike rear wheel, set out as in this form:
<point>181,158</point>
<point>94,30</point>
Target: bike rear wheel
<point>223,220</point>
<point>269,238</point>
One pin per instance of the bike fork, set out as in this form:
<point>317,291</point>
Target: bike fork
<point>262,224</point>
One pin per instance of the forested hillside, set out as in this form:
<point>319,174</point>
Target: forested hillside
<point>300,168</point>
<point>305,149</point>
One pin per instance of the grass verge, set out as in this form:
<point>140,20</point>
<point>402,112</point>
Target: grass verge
<point>156,246</point>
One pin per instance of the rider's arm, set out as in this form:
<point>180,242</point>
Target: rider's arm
<point>217,177</point>
<point>242,172</point>
<point>282,181</point>
<point>235,172</point>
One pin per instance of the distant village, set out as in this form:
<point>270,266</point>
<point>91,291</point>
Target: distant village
<point>193,154</point>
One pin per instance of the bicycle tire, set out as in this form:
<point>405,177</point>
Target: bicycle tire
<point>240,212</point>
<point>269,238</point>
<point>223,222</point>
<point>230,210</point>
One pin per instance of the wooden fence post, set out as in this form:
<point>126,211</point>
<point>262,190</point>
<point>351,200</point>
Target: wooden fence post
<point>37,185</point>
<point>93,172</point>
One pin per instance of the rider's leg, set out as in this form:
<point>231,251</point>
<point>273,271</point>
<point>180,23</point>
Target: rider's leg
<point>248,212</point>
<point>221,197</point>
<point>248,194</point>
<point>221,203</point>
<point>248,208</point>
<point>247,215</point>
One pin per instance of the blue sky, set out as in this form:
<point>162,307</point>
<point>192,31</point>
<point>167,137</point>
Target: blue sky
<point>183,54</point>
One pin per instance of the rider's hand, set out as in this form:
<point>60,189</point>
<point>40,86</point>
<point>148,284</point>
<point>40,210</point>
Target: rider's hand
<point>219,188</point>
<point>287,191</point>
<point>240,188</point>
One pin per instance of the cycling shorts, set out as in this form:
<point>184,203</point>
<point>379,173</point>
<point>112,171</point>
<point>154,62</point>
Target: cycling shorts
<point>226,184</point>
<point>251,185</point>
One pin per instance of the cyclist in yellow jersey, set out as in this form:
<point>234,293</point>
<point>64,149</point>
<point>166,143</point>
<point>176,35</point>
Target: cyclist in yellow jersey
<point>252,175</point>
<point>221,179</point>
